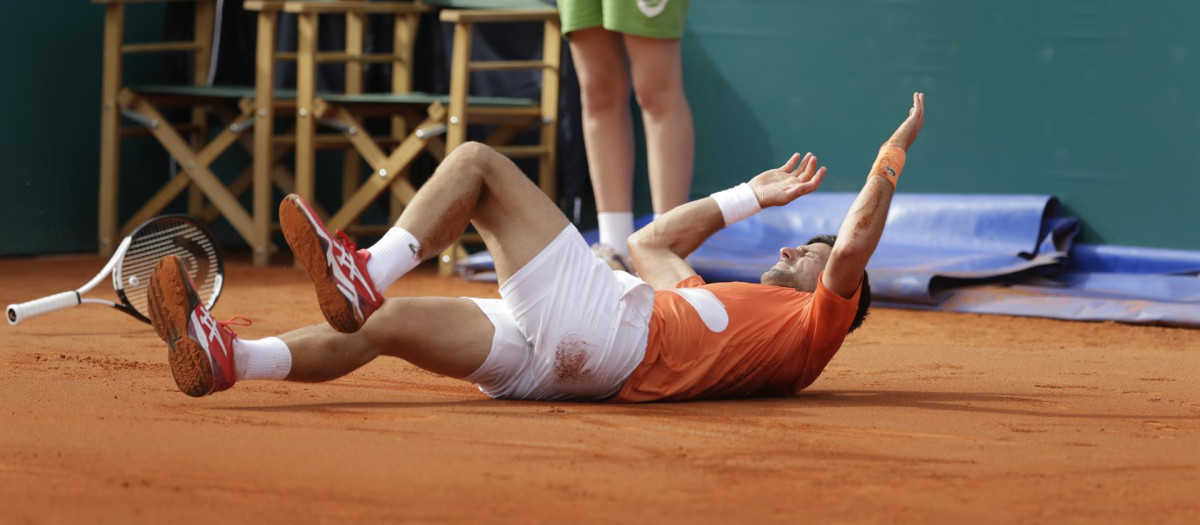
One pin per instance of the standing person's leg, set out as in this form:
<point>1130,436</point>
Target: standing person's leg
<point>667,118</point>
<point>607,130</point>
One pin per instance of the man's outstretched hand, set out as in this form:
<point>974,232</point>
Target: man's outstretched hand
<point>799,177</point>
<point>908,130</point>
<point>788,182</point>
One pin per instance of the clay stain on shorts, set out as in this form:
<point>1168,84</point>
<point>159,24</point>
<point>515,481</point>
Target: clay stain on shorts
<point>569,359</point>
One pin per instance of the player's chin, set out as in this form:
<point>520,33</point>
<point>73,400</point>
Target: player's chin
<point>776,277</point>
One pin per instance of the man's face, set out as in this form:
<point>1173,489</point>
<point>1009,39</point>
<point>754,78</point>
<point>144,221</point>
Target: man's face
<point>798,267</point>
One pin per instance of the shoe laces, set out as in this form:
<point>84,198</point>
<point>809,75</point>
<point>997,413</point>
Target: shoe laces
<point>346,242</point>
<point>236,320</point>
<point>358,256</point>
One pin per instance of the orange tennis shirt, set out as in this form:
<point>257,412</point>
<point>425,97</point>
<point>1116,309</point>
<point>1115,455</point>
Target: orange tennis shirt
<point>728,340</point>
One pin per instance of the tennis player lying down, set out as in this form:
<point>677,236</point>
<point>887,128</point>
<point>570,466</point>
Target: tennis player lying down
<point>567,327</point>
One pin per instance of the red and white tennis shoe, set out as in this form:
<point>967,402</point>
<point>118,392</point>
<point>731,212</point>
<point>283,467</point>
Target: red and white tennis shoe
<point>337,267</point>
<point>199,348</point>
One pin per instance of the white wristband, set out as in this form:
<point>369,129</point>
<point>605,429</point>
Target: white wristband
<point>737,203</point>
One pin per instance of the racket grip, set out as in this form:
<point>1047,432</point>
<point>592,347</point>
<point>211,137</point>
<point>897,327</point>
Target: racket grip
<point>36,307</point>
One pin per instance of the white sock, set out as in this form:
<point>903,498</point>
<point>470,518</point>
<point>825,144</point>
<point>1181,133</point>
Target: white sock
<point>615,229</point>
<point>392,257</point>
<point>267,358</point>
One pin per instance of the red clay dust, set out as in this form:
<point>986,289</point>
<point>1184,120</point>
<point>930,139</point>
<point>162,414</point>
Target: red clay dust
<point>922,417</point>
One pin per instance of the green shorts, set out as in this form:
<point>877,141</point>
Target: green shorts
<point>648,18</point>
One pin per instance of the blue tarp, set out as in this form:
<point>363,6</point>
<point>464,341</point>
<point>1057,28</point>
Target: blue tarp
<point>1009,254</point>
<point>931,240</point>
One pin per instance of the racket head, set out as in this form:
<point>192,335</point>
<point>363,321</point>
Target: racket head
<point>178,235</point>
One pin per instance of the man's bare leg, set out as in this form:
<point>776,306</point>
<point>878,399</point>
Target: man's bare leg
<point>477,185</point>
<point>447,336</point>
<point>473,184</point>
<point>452,337</point>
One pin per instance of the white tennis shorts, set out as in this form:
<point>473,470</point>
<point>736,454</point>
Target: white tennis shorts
<point>567,327</point>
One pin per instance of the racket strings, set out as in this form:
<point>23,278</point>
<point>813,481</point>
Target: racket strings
<point>170,236</point>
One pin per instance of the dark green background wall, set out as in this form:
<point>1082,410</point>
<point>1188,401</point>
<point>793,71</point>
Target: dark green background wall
<point>1095,101</point>
<point>50,124</point>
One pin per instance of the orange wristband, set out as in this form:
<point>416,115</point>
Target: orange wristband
<point>889,164</point>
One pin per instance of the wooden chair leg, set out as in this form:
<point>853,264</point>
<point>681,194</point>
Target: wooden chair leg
<point>551,55</point>
<point>306,122</point>
<point>456,132</point>
<point>110,127</point>
<point>202,33</point>
<point>460,78</point>
<point>264,130</point>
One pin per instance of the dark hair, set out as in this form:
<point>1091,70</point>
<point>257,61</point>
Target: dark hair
<point>864,297</point>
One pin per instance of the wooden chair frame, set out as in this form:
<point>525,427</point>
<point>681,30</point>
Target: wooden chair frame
<point>195,163</point>
<point>304,137</point>
<point>114,48</point>
<point>345,113</point>
<point>257,109</point>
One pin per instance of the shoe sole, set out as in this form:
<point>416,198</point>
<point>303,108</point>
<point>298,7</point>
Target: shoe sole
<point>309,248</point>
<point>170,301</point>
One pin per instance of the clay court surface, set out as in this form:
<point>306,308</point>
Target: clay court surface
<point>921,418</point>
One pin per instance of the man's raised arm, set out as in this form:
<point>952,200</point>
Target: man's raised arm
<point>659,249</point>
<point>863,226</point>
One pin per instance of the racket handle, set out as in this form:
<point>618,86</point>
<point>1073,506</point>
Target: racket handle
<point>36,307</point>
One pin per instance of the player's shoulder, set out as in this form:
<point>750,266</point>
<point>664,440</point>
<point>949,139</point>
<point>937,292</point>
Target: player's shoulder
<point>742,285</point>
<point>754,290</point>
<point>733,290</point>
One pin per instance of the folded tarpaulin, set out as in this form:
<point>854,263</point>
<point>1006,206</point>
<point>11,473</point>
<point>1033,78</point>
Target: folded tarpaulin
<point>1078,302</point>
<point>1104,258</point>
<point>1101,283</point>
<point>931,242</point>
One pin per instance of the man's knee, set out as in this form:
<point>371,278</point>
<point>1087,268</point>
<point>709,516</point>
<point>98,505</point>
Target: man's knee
<point>472,153</point>
<point>479,162</point>
<point>469,159</point>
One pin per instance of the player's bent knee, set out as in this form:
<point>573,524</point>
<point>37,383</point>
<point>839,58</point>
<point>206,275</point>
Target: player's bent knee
<point>473,149</point>
<point>470,153</point>
<point>469,160</point>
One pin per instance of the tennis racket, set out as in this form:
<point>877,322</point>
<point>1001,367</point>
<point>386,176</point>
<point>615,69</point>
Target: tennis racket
<point>133,263</point>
